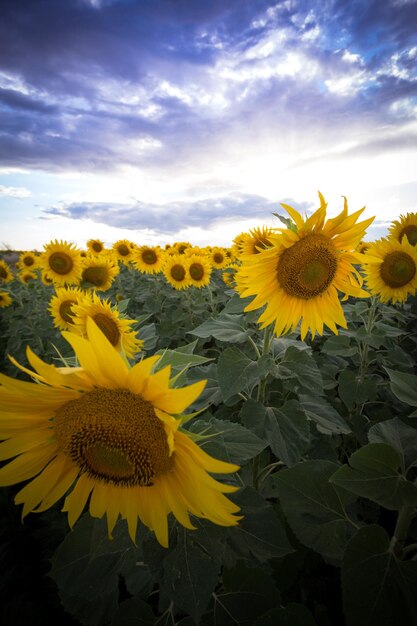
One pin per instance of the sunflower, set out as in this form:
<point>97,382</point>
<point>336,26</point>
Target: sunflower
<point>199,270</point>
<point>406,226</point>
<point>27,261</point>
<point>362,247</point>
<point>99,271</point>
<point>181,246</point>
<point>116,329</point>
<point>60,306</point>
<point>26,276</point>
<point>256,240</point>
<point>5,299</point>
<point>6,275</point>
<point>176,271</point>
<point>390,268</point>
<point>106,433</point>
<point>62,262</point>
<point>300,276</point>
<point>95,246</point>
<point>149,259</point>
<point>218,258</point>
<point>123,250</point>
<point>46,279</point>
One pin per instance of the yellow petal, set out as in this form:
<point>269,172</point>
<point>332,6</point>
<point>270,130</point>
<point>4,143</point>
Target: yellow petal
<point>175,401</point>
<point>26,465</point>
<point>75,502</point>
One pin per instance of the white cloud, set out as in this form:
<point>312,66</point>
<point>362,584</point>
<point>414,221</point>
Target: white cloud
<point>15,192</point>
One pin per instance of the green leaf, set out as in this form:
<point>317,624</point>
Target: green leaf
<point>287,432</point>
<point>226,327</point>
<point>252,415</point>
<point>190,576</point>
<point>339,345</point>
<point>236,372</point>
<point>179,360</point>
<point>260,534</point>
<point>404,386</point>
<point>373,473</point>
<point>378,590</point>
<point>133,612</point>
<point>232,441</point>
<point>354,391</point>
<point>236,304</point>
<point>401,437</point>
<point>291,615</point>
<point>324,415</point>
<point>314,508</point>
<point>301,366</point>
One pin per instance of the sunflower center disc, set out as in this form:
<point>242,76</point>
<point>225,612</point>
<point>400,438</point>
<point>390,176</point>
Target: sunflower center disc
<point>3,273</point>
<point>97,247</point>
<point>28,261</point>
<point>397,269</point>
<point>149,257</point>
<point>307,269</point>
<point>178,272</point>
<point>61,263</point>
<point>196,271</point>
<point>123,250</point>
<point>410,232</point>
<point>66,312</point>
<point>218,258</point>
<point>95,275</point>
<point>108,327</point>
<point>114,435</point>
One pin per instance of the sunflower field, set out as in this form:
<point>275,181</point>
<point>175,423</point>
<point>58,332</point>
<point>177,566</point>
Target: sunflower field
<point>212,436</point>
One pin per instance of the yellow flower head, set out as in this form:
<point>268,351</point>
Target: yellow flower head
<point>406,227</point>
<point>390,268</point>
<point>28,261</point>
<point>123,250</point>
<point>109,437</point>
<point>62,262</point>
<point>299,277</point>
<point>6,275</point>
<point>5,299</point>
<point>99,271</point>
<point>199,270</point>
<point>95,246</point>
<point>26,276</point>
<point>219,258</point>
<point>149,259</point>
<point>117,329</point>
<point>60,306</point>
<point>176,271</point>
<point>256,240</point>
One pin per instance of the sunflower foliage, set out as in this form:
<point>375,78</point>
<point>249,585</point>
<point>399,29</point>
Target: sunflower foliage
<point>287,492</point>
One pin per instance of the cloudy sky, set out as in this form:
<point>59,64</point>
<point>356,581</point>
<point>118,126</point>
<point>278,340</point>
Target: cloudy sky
<point>165,120</point>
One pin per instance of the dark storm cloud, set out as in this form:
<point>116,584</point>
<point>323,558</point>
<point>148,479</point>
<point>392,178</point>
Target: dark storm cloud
<point>173,216</point>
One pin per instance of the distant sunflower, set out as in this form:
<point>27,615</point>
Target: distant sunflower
<point>218,258</point>
<point>256,240</point>
<point>123,250</point>
<point>406,226</point>
<point>362,247</point>
<point>390,269</point>
<point>95,246</point>
<point>6,275</point>
<point>149,259</point>
<point>99,271</point>
<point>5,299</point>
<point>300,276</point>
<point>62,261</point>
<point>199,270</point>
<point>106,433</point>
<point>28,261</point>
<point>176,271</point>
<point>26,276</point>
<point>60,306</point>
<point>116,329</point>
<point>181,246</point>
<point>46,279</point>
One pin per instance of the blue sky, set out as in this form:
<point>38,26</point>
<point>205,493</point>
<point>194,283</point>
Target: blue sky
<point>165,120</point>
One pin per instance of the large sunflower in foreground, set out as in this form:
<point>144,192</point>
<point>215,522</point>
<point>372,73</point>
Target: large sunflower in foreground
<point>106,433</point>
<point>405,227</point>
<point>299,277</point>
<point>390,269</point>
<point>62,262</point>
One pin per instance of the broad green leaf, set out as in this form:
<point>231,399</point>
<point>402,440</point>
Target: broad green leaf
<point>314,508</point>
<point>236,304</point>
<point>354,391</point>
<point>301,366</point>
<point>252,415</point>
<point>211,393</point>
<point>231,441</point>
<point>291,615</point>
<point>179,360</point>
<point>400,436</point>
<point>133,612</point>
<point>190,576</point>
<point>236,372</point>
<point>324,415</point>
<point>226,327</point>
<point>339,345</point>
<point>404,386</point>
<point>281,344</point>
<point>287,432</point>
<point>378,590</point>
<point>373,473</point>
<point>260,534</point>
